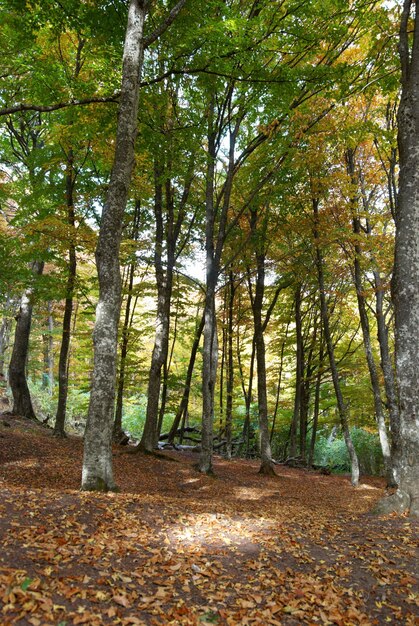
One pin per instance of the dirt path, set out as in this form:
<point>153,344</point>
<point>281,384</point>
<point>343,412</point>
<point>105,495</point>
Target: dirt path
<point>176,547</point>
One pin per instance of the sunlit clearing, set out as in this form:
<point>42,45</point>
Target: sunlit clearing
<point>217,530</point>
<point>364,486</point>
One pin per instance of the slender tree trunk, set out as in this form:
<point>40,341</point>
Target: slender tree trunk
<point>97,463</point>
<point>48,345</point>
<point>247,393</point>
<point>266,466</point>
<point>279,386</point>
<point>183,407</point>
<point>164,280</point>
<point>5,328</point>
<point>306,392</point>
<point>213,253</point>
<point>59,428</point>
<point>388,373</point>
<point>209,371</point>
<point>118,432</point>
<point>365,326</point>
<point>316,402</point>
<point>209,355</point>
<point>4,342</point>
<point>342,408</point>
<point>230,366</point>
<point>223,368</point>
<point>156,392</point>
<point>22,403</point>
<point>166,370</point>
<point>299,367</point>
<point>405,287</point>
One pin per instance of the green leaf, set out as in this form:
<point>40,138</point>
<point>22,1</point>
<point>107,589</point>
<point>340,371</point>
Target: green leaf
<point>24,586</point>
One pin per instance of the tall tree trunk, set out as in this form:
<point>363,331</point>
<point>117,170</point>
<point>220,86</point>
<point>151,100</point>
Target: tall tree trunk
<point>164,280</point>
<point>209,373</point>
<point>209,354</point>
<point>169,231</point>
<point>97,463</point>
<point>266,466</point>
<point>59,428</point>
<point>365,326</point>
<point>213,259</point>
<point>405,287</point>
<point>342,408</point>
<point>22,403</point>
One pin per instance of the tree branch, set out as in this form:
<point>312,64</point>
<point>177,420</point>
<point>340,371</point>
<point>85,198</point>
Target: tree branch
<point>170,18</point>
<point>59,105</point>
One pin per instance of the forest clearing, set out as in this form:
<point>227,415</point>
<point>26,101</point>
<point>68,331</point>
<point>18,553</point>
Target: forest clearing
<point>179,547</point>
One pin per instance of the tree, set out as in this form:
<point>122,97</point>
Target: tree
<point>405,285</point>
<point>22,403</point>
<point>97,460</point>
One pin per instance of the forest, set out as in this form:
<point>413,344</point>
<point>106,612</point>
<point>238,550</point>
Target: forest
<point>208,223</point>
<point>209,312</point>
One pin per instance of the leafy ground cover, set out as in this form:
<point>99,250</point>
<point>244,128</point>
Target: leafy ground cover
<point>177,547</point>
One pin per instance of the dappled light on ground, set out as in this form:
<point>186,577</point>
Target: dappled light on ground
<point>177,547</point>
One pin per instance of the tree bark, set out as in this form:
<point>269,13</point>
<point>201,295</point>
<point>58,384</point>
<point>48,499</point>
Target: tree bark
<point>22,403</point>
<point>5,328</point>
<point>97,463</point>
<point>405,286</point>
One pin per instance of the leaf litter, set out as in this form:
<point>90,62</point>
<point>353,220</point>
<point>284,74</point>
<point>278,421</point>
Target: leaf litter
<point>177,547</point>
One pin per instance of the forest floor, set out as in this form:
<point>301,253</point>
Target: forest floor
<point>177,547</point>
